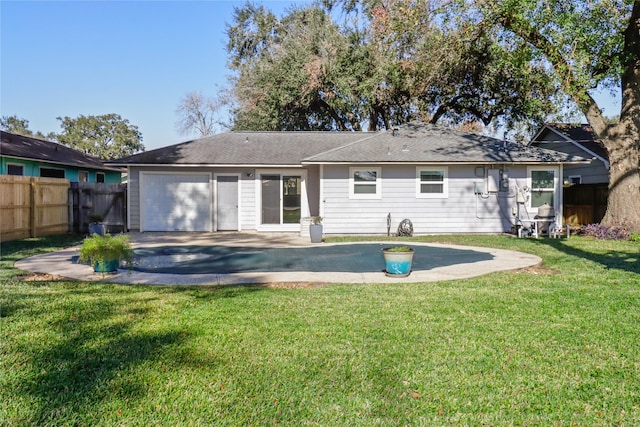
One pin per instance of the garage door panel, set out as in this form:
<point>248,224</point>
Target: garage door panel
<point>176,202</point>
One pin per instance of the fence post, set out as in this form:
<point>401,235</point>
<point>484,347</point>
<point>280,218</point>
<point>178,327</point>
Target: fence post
<point>32,207</point>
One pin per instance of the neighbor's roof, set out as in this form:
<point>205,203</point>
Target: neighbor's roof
<point>411,143</point>
<point>581,135</point>
<point>29,148</point>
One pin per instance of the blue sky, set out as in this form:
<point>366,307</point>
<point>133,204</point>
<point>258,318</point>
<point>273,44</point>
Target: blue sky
<point>133,58</point>
<point>136,59</point>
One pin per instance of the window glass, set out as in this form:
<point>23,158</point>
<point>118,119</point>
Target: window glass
<point>542,187</point>
<point>431,182</point>
<point>15,170</point>
<point>99,177</point>
<point>51,173</point>
<point>365,182</point>
<point>83,176</point>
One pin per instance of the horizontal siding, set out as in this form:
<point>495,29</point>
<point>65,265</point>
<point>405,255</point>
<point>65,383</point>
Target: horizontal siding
<point>462,211</point>
<point>593,173</point>
<point>133,193</point>
<point>248,201</point>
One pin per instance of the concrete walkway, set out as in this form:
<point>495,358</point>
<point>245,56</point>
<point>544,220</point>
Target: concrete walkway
<point>64,263</point>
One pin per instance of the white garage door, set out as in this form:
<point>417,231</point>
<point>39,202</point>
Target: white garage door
<point>175,202</point>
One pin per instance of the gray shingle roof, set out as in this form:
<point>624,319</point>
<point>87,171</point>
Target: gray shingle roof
<point>24,147</point>
<point>247,148</point>
<point>411,143</point>
<point>581,134</point>
<point>425,143</point>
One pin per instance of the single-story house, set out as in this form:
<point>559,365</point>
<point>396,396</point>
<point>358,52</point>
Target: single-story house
<point>443,181</point>
<point>28,156</point>
<point>586,186</point>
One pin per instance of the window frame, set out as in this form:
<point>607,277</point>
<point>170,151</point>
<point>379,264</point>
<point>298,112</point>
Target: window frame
<point>101,174</point>
<point>377,183</point>
<point>64,173</point>
<point>553,189</point>
<point>444,194</point>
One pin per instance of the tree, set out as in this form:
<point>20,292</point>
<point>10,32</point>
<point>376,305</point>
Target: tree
<point>552,50</point>
<point>303,72</point>
<point>108,136</point>
<point>14,124</point>
<point>588,45</point>
<point>199,114</point>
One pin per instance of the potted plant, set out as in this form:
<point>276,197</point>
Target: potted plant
<point>315,229</point>
<point>106,252</point>
<point>96,226</point>
<point>398,260</point>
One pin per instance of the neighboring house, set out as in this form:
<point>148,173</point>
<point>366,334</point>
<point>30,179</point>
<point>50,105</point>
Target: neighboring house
<point>586,185</point>
<point>28,156</point>
<point>578,140</point>
<point>442,180</point>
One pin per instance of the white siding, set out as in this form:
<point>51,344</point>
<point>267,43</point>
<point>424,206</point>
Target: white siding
<point>461,212</point>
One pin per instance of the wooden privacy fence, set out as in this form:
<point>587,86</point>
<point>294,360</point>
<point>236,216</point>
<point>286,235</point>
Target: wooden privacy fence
<point>96,198</point>
<point>585,203</point>
<point>33,207</point>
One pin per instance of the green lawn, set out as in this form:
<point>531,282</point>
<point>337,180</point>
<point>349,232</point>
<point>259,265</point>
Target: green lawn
<point>557,345</point>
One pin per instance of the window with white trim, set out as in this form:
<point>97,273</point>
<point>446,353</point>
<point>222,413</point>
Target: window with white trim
<point>364,183</point>
<point>15,169</point>
<point>431,182</point>
<point>83,176</point>
<point>542,187</point>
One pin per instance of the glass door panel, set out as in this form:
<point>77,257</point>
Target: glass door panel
<point>271,199</point>
<point>291,190</point>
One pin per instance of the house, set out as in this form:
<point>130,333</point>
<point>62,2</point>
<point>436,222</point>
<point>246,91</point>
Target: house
<point>28,156</point>
<point>442,180</point>
<point>585,185</point>
<point>579,140</point>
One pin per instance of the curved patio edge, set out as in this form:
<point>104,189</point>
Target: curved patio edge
<point>62,263</point>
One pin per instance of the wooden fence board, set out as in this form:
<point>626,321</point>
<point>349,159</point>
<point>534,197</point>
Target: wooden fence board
<point>33,206</point>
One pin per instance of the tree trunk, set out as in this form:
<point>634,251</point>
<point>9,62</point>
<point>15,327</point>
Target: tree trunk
<point>623,203</point>
<point>622,141</point>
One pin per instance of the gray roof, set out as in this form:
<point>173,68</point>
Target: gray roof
<point>425,143</point>
<point>411,143</point>
<point>246,148</point>
<point>582,135</point>
<point>26,147</point>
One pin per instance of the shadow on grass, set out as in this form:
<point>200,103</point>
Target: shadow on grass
<point>88,356</point>
<point>622,260</point>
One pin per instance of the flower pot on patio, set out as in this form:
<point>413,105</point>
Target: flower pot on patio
<point>104,253</point>
<point>398,261</point>
<point>96,226</point>
<point>315,229</point>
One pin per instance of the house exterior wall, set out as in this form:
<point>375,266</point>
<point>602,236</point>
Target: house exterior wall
<point>594,173</point>
<point>32,168</point>
<point>462,211</point>
<point>249,187</point>
<point>328,195</point>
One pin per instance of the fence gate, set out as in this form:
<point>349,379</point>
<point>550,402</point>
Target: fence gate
<point>97,198</point>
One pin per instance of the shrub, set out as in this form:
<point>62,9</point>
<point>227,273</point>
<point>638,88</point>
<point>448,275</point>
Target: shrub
<point>603,232</point>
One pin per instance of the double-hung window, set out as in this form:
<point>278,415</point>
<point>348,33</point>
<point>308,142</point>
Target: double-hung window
<point>542,186</point>
<point>365,183</point>
<point>431,182</point>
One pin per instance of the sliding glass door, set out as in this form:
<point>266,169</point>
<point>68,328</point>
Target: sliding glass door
<point>281,198</point>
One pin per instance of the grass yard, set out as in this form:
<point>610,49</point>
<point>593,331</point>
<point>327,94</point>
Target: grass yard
<point>554,345</point>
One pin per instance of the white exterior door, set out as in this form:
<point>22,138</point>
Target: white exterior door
<point>175,201</point>
<point>227,203</point>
